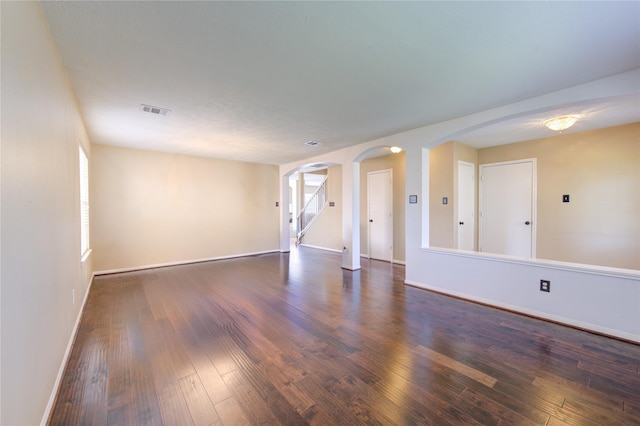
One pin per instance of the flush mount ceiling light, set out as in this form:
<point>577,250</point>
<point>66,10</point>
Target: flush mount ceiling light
<point>395,149</point>
<point>313,143</point>
<point>561,122</point>
<point>154,110</point>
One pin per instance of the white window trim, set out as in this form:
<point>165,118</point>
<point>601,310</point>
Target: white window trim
<point>85,248</point>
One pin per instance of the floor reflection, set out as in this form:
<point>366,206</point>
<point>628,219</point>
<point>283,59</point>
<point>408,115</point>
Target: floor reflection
<point>292,338</point>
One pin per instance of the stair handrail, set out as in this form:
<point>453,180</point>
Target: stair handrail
<point>311,209</point>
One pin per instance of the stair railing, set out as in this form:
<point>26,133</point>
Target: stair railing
<point>311,209</point>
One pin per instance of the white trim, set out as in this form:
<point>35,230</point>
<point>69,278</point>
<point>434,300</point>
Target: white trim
<point>399,262</point>
<point>182,262</point>
<point>86,255</point>
<point>530,312</point>
<point>542,263</point>
<point>351,268</point>
<point>474,215</point>
<point>321,248</point>
<point>65,358</point>
<point>83,191</point>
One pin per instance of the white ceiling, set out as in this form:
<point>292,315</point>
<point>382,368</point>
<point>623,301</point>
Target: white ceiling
<point>253,81</point>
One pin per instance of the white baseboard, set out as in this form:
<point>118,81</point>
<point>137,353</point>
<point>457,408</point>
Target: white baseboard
<point>321,248</point>
<point>399,262</point>
<point>181,262</point>
<point>65,358</point>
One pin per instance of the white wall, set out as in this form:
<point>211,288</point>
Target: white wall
<point>40,239</point>
<point>40,243</point>
<point>601,299</point>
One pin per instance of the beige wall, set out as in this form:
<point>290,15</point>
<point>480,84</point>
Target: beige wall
<point>395,162</point>
<point>151,208</point>
<point>441,184</point>
<point>40,238</point>
<point>600,170</point>
<point>326,230</point>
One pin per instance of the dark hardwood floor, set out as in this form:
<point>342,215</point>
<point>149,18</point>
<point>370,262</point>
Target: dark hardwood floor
<point>293,339</point>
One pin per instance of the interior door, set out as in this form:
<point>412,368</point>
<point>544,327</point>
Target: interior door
<point>507,201</point>
<point>466,206</point>
<point>380,212</point>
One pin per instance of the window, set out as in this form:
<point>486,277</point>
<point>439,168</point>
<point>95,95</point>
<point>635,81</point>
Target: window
<point>84,203</point>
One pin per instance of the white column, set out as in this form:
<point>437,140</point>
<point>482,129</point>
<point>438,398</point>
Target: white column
<point>284,214</point>
<point>351,216</point>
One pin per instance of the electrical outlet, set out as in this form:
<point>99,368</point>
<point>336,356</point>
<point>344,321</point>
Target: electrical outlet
<point>545,285</point>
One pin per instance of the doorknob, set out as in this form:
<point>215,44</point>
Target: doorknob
<point>460,223</point>
<point>527,223</point>
<point>371,220</point>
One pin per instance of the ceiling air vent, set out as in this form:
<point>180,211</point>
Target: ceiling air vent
<point>154,110</point>
<point>313,143</point>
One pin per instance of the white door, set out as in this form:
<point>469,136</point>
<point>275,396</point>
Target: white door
<point>380,211</point>
<point>507,208</point>
<point>466,206</point>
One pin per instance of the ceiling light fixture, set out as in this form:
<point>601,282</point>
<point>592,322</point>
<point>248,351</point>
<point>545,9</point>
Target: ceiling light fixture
<point>395,149</point>
<point>561,122</point>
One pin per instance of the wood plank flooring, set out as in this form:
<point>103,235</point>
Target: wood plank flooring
<point>293,339</point>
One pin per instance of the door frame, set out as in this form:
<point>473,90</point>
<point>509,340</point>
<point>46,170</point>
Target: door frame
<point>390,172</point>
<point>473,203</point>
<point>534,198</point>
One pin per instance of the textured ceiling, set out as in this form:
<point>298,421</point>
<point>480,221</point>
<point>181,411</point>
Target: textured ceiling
<point>253,81</point>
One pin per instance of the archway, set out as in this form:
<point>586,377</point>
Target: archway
<point>285,199</point>
<point>351,216</point>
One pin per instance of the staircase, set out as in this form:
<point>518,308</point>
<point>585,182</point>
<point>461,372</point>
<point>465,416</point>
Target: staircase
<point>311,209</point>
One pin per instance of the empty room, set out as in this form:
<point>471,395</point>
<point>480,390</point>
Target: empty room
<point>291,212</point>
